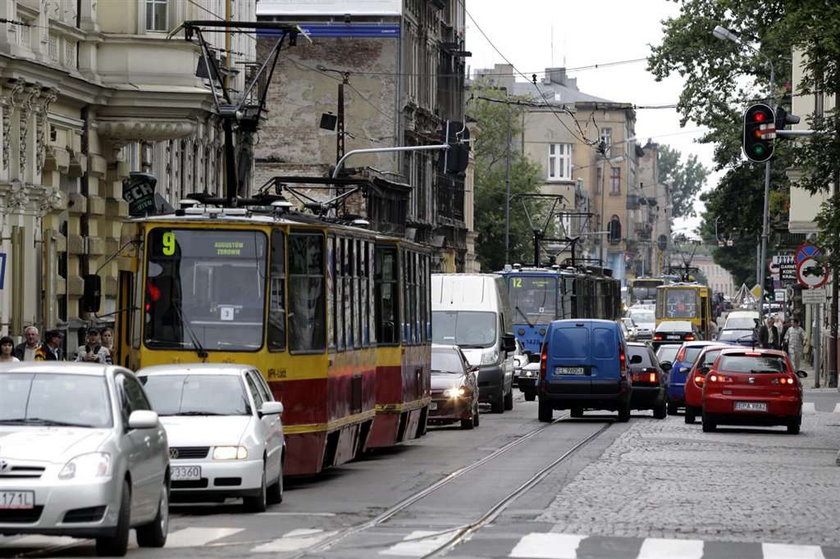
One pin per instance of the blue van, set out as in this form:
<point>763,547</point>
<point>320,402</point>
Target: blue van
<point>584,366</point>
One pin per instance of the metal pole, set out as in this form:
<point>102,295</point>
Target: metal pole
<point>507,191</point>
<point>815,346</point>
<point>832,319</point>
<point>601,238</point>
<point>765,233</point>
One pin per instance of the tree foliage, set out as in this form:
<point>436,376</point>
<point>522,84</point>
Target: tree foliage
<point>497,122</point>
<point>723,77</point>
<point>686,179</point>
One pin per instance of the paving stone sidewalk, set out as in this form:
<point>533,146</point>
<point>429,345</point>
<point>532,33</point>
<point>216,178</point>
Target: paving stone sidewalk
<point>668,479</point>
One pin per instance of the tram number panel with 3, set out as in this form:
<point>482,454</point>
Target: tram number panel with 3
<point>558,371</point>
<point>17,499</point>
<point>186,473</point>
<point>750,406</point>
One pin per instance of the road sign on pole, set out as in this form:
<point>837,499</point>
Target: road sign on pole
<point>816,296</point>
<point>810,273</point>
<point>807,250</point>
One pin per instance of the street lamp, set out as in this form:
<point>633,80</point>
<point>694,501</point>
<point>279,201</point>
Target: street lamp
<point>727,35</point>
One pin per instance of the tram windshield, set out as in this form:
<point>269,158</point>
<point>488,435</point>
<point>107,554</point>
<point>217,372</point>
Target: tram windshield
<point>205,289</point>
<point>533,299</point>
<point>464,328</point>
<point>681,303</point>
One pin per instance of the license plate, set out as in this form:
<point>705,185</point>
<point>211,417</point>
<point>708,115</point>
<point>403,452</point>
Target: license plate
<point>186,473</point>
<point>675,337</point>
<point>17,499</point>
<point>750,406</point>
<point>569,371</point>
<point>432,406</point>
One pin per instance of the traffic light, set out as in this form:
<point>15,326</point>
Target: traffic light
<point>454,160</point>
<point>783,118</point>
<point>759,132</point>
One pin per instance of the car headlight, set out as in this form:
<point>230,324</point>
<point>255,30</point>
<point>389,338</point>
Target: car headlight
<point>489,356</point>
<point>94,465</point>
<point>455,392</point>
<point>230,453</point>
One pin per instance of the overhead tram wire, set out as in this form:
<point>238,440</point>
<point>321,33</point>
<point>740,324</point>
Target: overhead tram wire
<point>582,137</point>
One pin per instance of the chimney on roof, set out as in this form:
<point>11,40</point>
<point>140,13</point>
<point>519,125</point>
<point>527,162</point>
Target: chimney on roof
<point>558,76</point>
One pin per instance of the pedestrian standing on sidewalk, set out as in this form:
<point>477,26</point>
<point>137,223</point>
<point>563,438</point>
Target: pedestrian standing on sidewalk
<point>7,347</point>
<point>768,335</point>
<point>795,340</point>
<point>26,351</point>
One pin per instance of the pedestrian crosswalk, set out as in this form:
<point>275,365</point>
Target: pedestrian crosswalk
<point>485,544</point>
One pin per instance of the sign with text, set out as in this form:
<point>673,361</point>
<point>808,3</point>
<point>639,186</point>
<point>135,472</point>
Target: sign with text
<point>783,268</point>
<point>816,296</point>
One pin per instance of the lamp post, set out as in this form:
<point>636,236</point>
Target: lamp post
<point>725,34</point>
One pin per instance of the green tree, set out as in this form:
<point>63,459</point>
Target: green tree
<point>497,121</point>
<point>685,178</point>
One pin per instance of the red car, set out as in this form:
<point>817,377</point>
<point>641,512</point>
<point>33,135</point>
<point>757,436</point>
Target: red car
<point>695,379</point>
<point>752,387</point>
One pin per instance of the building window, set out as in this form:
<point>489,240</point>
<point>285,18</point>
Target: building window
<point>559,161</point>
<point>615,180</point>
<point>156,15</point>
<point>606,138</point>
<point>614,230</point>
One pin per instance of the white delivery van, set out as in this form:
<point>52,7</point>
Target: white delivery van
<point>473,312</point>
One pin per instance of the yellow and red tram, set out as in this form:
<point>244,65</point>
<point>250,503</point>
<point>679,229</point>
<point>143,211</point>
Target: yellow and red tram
<point>301,299</point>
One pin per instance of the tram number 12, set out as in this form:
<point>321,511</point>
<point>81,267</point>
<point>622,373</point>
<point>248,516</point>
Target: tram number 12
<point>168,240</point>
<point>517,282</point>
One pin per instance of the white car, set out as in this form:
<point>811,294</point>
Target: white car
<point>225,432</point>
<point>81,455</point>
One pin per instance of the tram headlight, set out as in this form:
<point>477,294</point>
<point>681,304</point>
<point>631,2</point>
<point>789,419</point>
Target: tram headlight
<point>230,453</point>
<point>489,356</point>
<point>455,392</point>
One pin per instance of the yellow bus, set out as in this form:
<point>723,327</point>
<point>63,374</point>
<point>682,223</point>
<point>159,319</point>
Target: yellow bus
<point>690,302</point>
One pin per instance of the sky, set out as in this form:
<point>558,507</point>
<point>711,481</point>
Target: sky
<point>538,34</point>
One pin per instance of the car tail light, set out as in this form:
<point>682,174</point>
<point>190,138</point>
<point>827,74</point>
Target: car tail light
<point>717,377</point>
<point>657,337</point>
<point>689,337</point>
<point>543,361</point>
<point>783,380</point>
<point>652,378</point>
<point>622,362</point>
<point>699,380</point>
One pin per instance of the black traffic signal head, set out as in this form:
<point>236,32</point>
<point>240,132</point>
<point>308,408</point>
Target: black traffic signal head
<point>454,161</point>
<point>783,118</point>
<point>759,132</point>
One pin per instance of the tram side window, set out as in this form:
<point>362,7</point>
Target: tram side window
<point>371,318</point>
<point>357,311</point>
<point>421,296</point>
<point>347,280</point>
<point>307,330</point>
<point>339,293</point>
<point>386,295</point>
<point>331,308</point>
<point>277,293</point>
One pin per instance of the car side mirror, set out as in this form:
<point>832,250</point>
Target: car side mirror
<point>704,370</point>
<point>508,342</point>
<point>666,366</point>
<point>143,419</point>
<point>271,408</point>
<point>801,374</point>
<point>636,359</point>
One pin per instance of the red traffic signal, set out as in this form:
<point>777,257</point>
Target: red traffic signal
<point>759,132</point>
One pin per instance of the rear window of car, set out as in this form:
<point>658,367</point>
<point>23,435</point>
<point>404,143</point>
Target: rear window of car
<point>667,353</point>
<point>632,351</point>
<point>740,322</point>
<point>603,340</point>
<point>691,354</point>
<point>570,342</point>
<point>709,357</point>
<point>752,364</point>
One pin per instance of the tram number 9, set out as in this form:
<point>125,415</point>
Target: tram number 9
<point>168,240</point>
<point>517,283</point>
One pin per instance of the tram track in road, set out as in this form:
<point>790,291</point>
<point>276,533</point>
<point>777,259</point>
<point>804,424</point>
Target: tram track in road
<point>462,532</point>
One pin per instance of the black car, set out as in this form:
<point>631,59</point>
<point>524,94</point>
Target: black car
<point>648,377</point>
<point>674,332</point>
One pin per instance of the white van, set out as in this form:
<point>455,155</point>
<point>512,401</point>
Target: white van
<point>473,312</point>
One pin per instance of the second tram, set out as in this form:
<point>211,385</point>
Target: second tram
<point>686,301</point>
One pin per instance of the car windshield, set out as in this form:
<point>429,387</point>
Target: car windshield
<point>736,335</point>
<point>42,399</point>
<point>740,322</point>
<point>464,328</point>
<point>640,316</point>
<point>197,394</point>
<point>446,361</point>
<point>752,364</point>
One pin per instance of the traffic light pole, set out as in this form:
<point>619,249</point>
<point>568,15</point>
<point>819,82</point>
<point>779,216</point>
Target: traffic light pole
<point>765,234</point>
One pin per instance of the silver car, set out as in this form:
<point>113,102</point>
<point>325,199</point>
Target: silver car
<point>225,433</point>
<point>81,454</point>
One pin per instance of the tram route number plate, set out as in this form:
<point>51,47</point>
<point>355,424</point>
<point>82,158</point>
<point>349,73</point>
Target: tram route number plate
<point>750,406</point>
<point>17,499</point>
<point>186,473</point>
<point>432,406</point>
<point>569,371</point>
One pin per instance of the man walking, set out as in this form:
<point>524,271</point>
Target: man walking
<point>768,335</point>
<point>51,349</point>
<point>795,340</point>
<point>26,351</point>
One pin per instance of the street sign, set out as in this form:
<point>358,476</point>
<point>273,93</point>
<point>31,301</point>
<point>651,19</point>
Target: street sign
<point>779,295</point>
<point>756,291</point>
<point>783,268</point>
<point>807,250</point>
<point>810,273</point>
<point>816,296</point>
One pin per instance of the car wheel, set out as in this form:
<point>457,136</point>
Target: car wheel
<point>117,545</point>
<point>659,411</point>
<point>576,412</point>
<point>259,502</point>
<point>530,396</point>
<point>794,426</point>
<point>509,400</point>
<point>709,426</point>
<point>468,423</point>
<point>275,490</point>
<point>690,415</point>
<point>476,416</point>
<point>498,403</point>
<point>545,412</point>
<point>154,533</point>
<point>672,408</point>
<point>624,413</point>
